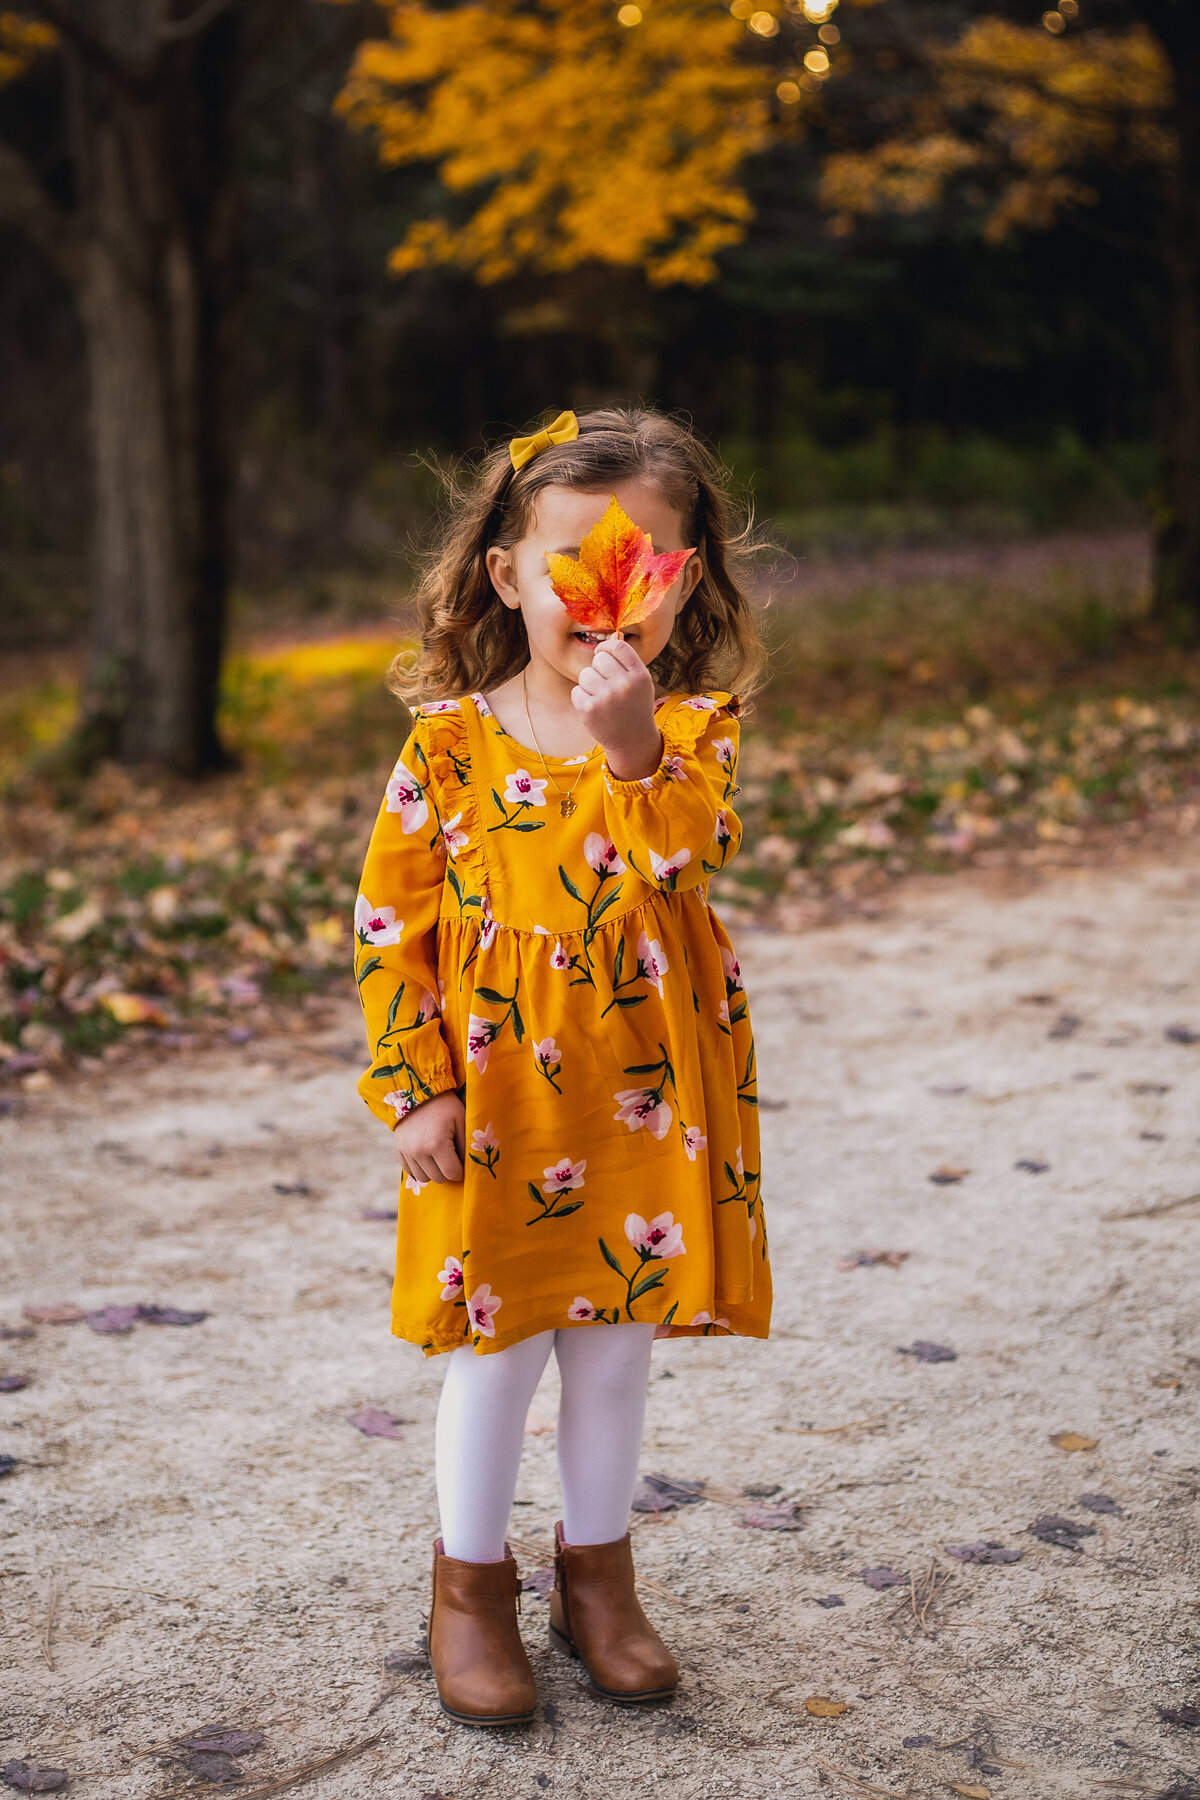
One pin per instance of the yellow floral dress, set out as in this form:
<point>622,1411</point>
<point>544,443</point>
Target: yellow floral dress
<point>567,976</point>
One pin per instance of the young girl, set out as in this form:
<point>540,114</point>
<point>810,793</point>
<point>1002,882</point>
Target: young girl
<point>560,1035</point>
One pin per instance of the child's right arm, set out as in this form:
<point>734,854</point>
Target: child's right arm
<point>396,968</point>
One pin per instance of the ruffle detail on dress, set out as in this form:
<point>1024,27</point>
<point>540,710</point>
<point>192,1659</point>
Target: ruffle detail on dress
<point>682,724</point>
<point>442,734</point>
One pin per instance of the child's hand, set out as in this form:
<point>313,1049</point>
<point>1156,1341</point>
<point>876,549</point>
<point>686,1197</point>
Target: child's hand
<point>615,695</point>
<point>430,1140</point>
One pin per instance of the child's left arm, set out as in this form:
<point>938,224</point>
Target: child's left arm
<point>678,826</point>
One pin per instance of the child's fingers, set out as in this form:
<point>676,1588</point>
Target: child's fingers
<point>447,1164</point>
<point>591,679</point>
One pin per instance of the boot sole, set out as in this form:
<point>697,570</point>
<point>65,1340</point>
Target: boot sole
<point>461,1718</point>
<point>567,1648</point>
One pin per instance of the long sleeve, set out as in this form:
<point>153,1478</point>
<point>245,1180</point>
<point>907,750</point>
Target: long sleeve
<point>395,942</point>
<point>678,826</point>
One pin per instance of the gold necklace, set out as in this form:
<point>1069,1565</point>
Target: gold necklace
<point>566,804</point>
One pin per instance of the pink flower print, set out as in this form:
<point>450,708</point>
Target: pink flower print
<point>483,706</point>
<point>581,1308</point>
<point>661,1238</point>
<point>456,840</point>
<point>481,1035</point>
<point>665,869</point>
<point>487,924</point>
<point>643,1106</point>
<point>721,830</point>
<point>693,1140</point>
<point>737,1163</point>
<point>565,1174</point>
<point>651,961</point>
<point>542,931</point>
<point>600,854</point>
<point>482,1141</point>
<point>406,796</point>
<point>701,703</point>
<point>724,750</point>
<point>547,1051</point>
<point>413,1185</point>
<point>522,786</point>
<point>703,1318</point>
<point>558,956</point>
<point>451,1278</point>
<point>428,1009</point>
<point>377,925</point>
<point>439,706</point>
<point>733,971</point>
<point>723,1012</point>
<point>482,1308</point>
<point>400,1101</point>
<point>674,768</point>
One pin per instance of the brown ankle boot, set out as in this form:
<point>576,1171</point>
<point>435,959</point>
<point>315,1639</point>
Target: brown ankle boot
<point>595,1615</point>
<point>479,1662</point>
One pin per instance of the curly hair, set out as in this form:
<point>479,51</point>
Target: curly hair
<point>470,642</point>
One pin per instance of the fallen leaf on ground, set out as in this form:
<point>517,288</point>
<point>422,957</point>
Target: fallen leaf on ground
<point>112,1321</point>
<point>1100,1503</point>
<point>1065,1026</point>
<point>926,1352</point>
<point>831,1600</point>
<point>1073,1440</point>
<point>947,1173</point>
<point>12,1384</point>
<point>774,1518</point>
<point>30,1779</point>
<point>226,1738</point>
<point>970,1791</point>
<point>540,1582</point>
<point>1030,1166</point>
<point>216,1766</point>
<point>132,1009</point>
<point>821,1708</point>
<point>1166,1381</point>
<point>378,1212</point>
<point>291,1187</point>
<point>873,1259</point>
<point>1187,1714</point>
<point>373,1422</point>
<point>1052,1528</point>
<point>986,1551</point>
<point>61,1313</point>
<point>882,1578</point>
<point>170,1315</point>
<point>1181,1034</point>
<point>15,1333</point>
<point>917,1743</point>
<point>407,1662</point>
<point>658,1493</point>
<point>8,1466</point>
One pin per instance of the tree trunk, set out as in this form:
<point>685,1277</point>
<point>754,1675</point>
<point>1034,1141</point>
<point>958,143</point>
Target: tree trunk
<point>156,293</point>
<point>1177,523</point>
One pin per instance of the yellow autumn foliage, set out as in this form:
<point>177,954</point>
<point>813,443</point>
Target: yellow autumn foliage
<point>1049,105</point>
<point>21,41</point>
<point>576,138</point>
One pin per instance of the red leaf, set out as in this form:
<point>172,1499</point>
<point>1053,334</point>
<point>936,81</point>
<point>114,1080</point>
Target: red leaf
<point>617,579</point>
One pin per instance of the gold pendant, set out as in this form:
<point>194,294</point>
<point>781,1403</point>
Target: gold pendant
<point>566,806</point>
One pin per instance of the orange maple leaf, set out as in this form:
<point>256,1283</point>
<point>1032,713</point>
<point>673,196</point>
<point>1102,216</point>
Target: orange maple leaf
<point>617,579</point>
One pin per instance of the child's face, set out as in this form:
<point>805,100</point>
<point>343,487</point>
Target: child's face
<point>560,522</point>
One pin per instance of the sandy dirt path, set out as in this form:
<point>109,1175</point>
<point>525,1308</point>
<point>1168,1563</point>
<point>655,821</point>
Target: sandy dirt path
<point>194,1531</point>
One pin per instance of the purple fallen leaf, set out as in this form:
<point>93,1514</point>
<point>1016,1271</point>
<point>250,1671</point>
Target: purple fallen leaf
<point>378,1212</point>
<point>1030,1166</point>
<point>239,1034</point>
<point>1052,1528</point>
<point>406,1662</point>
<point>986,1551</point>
<point>831,1600</point>
<point>774,1518</point>
<point>12,1384</point>
<point>223,1738</point>
<point>30,1779</point>
<point>1100,1503</point>
<point>1180,1715</point>
<point>216,1766</point>
<point>15,1333</point>
<point>1181,1034</point>
<point>112,1321</point>
<point>8,1466</point>
<point>882,1578</point>
<point>170,1315</point>
<point>539,1583</point>
<point>919,1742</point>
<point>658,1493</point>
<point>928,1353</point>
<point>373,1422</point>
<point>24,1063</point>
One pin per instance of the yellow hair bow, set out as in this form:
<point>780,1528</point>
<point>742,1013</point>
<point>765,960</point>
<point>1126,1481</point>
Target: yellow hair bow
<point>562,431</point>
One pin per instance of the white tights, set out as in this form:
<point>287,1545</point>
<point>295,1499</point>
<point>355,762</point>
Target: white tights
<point>481,1431</point>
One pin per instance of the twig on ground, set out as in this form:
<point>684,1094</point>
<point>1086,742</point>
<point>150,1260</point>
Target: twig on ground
<point>48,1627</point>
<point>286,1778</point>
<point>864,1787</point>
<point>828,1430</point>
<point>1151,1212</point>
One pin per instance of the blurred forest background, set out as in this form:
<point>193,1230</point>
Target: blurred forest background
<point>927,272</point>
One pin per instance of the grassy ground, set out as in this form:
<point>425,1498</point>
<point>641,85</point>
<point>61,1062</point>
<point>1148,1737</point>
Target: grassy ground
<point>925,709</point>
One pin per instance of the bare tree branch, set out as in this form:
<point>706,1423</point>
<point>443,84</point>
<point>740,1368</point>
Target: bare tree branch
<point>196,21</point>
<point>26,206</point>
